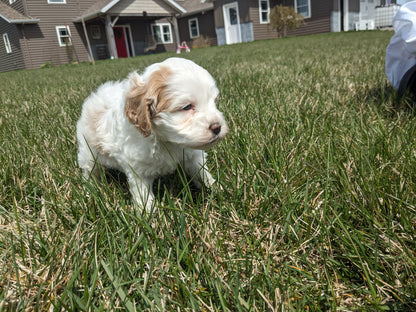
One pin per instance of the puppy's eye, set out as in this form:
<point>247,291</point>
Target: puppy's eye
<point>187,107</point>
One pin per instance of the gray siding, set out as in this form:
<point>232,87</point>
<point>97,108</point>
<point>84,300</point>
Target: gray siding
<point>43,40</point>
<point>14,60</point>
<point>261,31</point>
<point>206,28</point>
<point>319,22</point>
<point>168,47</point>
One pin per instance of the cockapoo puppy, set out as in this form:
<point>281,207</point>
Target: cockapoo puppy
<point>145,125</point>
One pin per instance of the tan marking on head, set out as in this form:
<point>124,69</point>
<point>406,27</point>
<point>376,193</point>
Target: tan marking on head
<point>145,100</point>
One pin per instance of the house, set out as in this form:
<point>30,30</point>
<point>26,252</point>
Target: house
<point>39,31</point>
<point>124,28</point>
<point>247,20</point>
<point>62,31</point>
<point>196,26</point>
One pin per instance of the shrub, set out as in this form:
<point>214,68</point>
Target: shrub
<point>284,18</point>
<point>201,42</point>
<point>47,65</point>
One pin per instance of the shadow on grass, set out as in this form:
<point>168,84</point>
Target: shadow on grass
<point>173,185</point>
<point>387,96</point>
<point>399,306</point>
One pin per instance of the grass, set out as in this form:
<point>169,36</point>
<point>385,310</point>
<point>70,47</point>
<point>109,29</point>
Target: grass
<point>317,211</point>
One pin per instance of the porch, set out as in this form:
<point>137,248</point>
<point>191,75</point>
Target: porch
<point>116,29</point>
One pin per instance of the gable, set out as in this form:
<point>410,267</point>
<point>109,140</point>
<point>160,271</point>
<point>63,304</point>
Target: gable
<point>132,7</point>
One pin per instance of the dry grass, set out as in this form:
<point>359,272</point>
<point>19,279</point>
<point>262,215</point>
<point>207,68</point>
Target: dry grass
<point>316,212</point>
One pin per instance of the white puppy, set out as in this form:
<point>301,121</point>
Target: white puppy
<point>145,125</point>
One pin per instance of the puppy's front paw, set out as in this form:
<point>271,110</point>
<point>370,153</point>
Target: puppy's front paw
<point>145,206</point>
<point>207,178</point>
<point>142,194</point>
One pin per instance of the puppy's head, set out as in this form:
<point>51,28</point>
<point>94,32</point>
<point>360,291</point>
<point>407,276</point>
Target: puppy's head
<point>175,100</point>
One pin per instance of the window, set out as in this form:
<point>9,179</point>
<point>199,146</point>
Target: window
<point>264,9</point>
<point>7,43</point>
<point>64,36</point>
<point>303,7</point>
<point>162,33</point>
<point>12,1</point>
<point>96,32</point>
<point>233,15</point>
<point>193,27</point>
<point>56,1</point>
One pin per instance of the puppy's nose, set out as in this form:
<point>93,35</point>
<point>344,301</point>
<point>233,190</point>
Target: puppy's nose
<point>215,128</point>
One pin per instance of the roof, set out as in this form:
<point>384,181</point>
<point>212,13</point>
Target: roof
<point>196,6</point>
<point>12,16</point>
<point>103,6</point>
<point>99,7</point>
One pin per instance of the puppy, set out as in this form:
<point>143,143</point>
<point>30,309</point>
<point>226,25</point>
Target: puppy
<point>145,125</point>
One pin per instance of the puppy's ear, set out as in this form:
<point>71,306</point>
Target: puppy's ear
<point>145,100</point>
<point>137,108</point>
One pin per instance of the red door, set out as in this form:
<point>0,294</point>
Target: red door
<point>120,38</point>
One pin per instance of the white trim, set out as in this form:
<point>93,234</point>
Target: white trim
<point>7,43</point>
<point>6,19</point>
<point>31,21</point>
<point>17,21</point>
<point>112,3</point>
<point>128,39</point>
<point>160,25</point>
<point>226,21</point>
<point>109,6</point>
<point>131,41</point>
<point>261,11</point>
<point>197,27</point>
<point>12,1</point>
<point>59,36</point>
<point>309,9</point>
<point>94,14</point>
<point>176,6</point>
<point>56,1</point>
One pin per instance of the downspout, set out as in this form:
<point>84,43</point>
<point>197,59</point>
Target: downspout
<point>26,44</point>
<point>26,11</point>
<point>88,42</point>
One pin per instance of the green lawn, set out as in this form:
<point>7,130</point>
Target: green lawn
<point>317,209</point>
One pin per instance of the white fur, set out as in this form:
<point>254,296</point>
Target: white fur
<point>112,128</point>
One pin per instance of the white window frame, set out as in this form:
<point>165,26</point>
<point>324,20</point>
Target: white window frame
<point>56,1</point>
<point>261,11</point>
<point>162,39</point>
<point>309,9</point>
<point>7,43</point>
<point>60,37</point>
<point>195,19</point>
